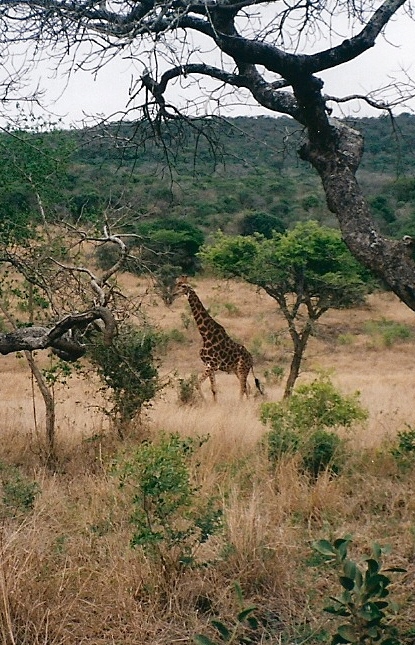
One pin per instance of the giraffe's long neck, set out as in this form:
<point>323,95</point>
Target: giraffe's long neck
<point>204,321</point>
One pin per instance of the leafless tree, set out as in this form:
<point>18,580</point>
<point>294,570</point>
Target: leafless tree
<point>262,48</point>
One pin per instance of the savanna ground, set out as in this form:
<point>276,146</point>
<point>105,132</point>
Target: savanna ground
<point>68,573</point>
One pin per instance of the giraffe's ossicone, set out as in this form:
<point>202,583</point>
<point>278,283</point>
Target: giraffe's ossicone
<point>219,352</point>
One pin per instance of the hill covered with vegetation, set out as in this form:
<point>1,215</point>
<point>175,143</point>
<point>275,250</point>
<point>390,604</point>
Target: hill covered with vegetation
<point>213,173</point>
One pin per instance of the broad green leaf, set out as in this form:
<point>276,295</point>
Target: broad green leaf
<point>347,583</point>
<point>244,613</point>
<point>373,566</point>
<point>337,611</point>
<point>341,547</point>
<point>348,633</point>
<point>222,629</point>
<point>324,547</point>
<point>199,639</point>
<point>252,622</point>
<point>350,569</point>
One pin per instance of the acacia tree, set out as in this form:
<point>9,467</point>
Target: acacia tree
<point>262,48</point>
<point>307,271</point>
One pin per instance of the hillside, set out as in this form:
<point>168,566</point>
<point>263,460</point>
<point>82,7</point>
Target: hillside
<point>209,173</point>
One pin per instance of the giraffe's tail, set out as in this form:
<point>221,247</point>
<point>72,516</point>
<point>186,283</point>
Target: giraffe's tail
<point>258,384</point>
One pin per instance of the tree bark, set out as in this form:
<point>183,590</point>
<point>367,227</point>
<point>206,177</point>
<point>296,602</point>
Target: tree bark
<point>58,338</point>
<point>391,260</point>
<point>300,343</point>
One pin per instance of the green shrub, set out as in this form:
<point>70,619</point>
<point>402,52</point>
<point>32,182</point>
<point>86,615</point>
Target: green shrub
<point>323,450</point>
<point>274,375</point>
<point>171,520</point>
<point>388,332</point>
<point>302,425</point>
<point>363,603</point>
<point>404,449</point>
<point>189,390</point>
<point>128,370</point>
<point>165,281</point>
<point>18,493</point>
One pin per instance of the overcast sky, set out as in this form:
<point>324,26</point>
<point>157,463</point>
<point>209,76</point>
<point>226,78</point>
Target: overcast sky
<point>107,93</point>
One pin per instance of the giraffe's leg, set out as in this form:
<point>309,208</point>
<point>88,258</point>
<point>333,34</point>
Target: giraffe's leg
<point>242,375</point>
<point>208,373</point>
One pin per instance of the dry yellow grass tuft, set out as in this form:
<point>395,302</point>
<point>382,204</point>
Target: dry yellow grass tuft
<point>68,574</point>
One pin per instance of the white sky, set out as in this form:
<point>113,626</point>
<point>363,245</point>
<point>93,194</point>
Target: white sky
<point>85,95</point>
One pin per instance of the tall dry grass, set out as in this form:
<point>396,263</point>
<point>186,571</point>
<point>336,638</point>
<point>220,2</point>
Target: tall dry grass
<point>68,574</point>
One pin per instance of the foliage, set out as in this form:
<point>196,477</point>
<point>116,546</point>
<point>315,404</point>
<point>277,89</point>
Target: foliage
<point>93,170</point>
<point>18,492</point>
<point>165,281</point>
<point>172,241</point>
<point>389,331</point>
<point>128,369</point>
<point>33,168</point>
<point>274,374</point>
<point>260,222</point>
<point>189,390</point>
<point>302,425</point>
<point>363,600</point>
<point>307,270</point>
<point>404,449</point>
<point>171,520</point>
<point>244,630</point>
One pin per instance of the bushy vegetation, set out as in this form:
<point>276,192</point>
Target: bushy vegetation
<point>306,425</point>
<point>363,601</point>
<point>236,184</point>
<point>128,369</point>
<point>170,520</point>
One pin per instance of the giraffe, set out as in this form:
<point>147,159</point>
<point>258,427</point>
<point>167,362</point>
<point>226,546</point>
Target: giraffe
<point>219,351</point>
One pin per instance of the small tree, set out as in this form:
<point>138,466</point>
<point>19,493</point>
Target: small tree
<point>128,368</point>
<point>307,270</point>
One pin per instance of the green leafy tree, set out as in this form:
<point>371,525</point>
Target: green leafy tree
<point>257,52</point>
<point>171,241</point>
<point>260,222</point>
<point>128,369</point>
<point>307,270</point>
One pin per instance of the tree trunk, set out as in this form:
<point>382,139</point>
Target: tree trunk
<point>300,342</point>
<point>49,410</point>
<point>336,159</point>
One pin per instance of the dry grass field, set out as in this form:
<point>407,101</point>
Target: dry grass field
<point>68,574</point>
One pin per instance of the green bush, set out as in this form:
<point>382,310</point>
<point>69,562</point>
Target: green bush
<point>171,241</point>
<point>18,493</point>
<point>171,520</point>
<point>260,222</point>
<point>388,332</point>
<point>323,450</point>
<point>189,390</point>
<point>302,425</point>
<point>404,449</point>
<point>128,370</point>
<point>363,603</point>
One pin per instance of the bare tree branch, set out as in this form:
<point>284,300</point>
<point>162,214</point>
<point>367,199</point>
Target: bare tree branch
<point>57,337</point>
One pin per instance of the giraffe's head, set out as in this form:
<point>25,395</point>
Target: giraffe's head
<point>182,287</point>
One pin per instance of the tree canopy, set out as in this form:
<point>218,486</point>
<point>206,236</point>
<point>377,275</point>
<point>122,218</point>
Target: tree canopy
<point>274,52</point>
<point>307,270</point>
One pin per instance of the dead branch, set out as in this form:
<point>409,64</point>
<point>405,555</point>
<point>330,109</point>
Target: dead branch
<point>59,337</point>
